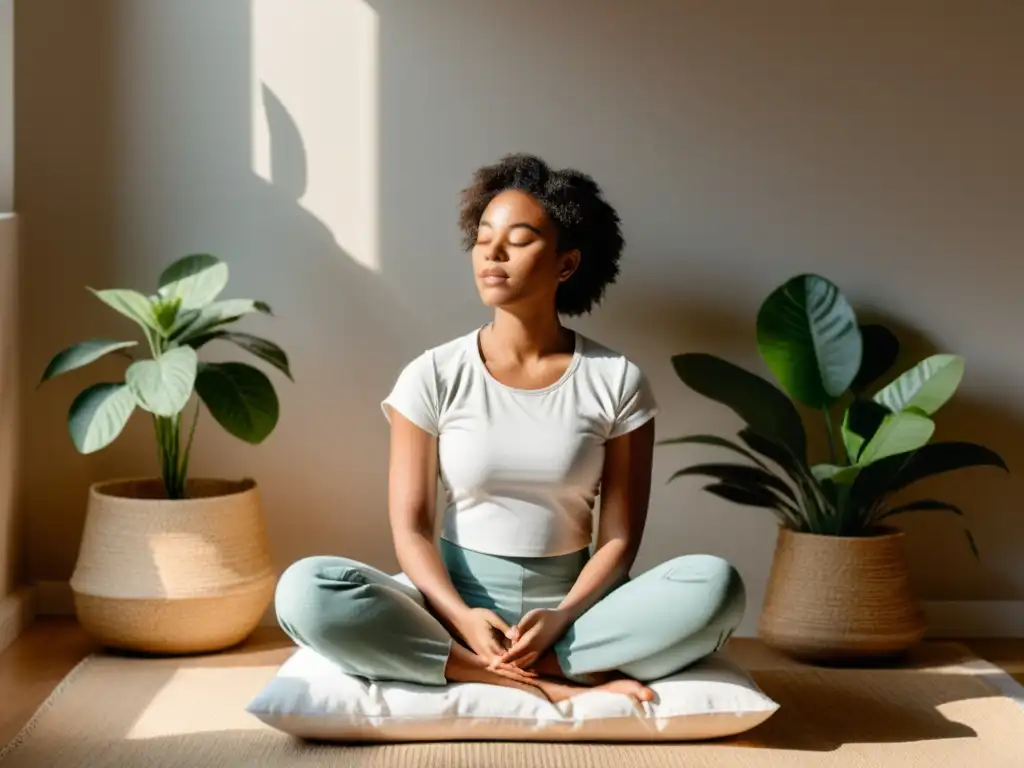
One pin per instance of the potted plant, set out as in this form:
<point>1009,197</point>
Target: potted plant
<point>174,564</point>
<point>839,586</point>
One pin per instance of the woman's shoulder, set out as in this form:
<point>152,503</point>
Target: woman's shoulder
<point>442,358</point>
<point>607,360</point>
<point>621,382</point>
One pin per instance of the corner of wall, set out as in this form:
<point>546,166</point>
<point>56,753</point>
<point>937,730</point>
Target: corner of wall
<point>17,611</point>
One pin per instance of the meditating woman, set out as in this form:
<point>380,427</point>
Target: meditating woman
<point>528,424</point>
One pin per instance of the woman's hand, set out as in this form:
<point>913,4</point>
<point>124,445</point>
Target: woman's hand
<point>484,631</point>
<point>535,633</point>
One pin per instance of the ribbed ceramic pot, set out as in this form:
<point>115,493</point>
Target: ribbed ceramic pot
<point>840,599</point>
<point>176,576</point>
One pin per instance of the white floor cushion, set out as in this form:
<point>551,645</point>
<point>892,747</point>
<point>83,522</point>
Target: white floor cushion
<point>310,697</point>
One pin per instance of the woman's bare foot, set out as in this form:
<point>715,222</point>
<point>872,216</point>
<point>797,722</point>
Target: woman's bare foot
<point>547,667</point>
<point>560,690</point>
<point>464,666</point>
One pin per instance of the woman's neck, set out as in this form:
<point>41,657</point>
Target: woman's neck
<point>523,336</point>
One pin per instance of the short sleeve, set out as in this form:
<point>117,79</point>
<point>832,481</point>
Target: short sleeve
<point>637,404</point>
<point>414,394</point>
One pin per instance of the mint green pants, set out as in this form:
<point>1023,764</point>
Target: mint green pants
<point>379,627</point>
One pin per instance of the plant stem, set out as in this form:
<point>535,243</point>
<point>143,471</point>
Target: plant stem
<point>831,436</point>
<point>188,446</point>
<point>168,437</point>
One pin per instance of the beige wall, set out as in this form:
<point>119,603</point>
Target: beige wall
<point>10,531</point>
<point>320,148</point>
<point>12,541</point>
<point>6,105</point>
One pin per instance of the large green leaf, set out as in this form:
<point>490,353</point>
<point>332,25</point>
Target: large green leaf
<point>199,322</point>
<point>98,415</point>
<point>754,497</point>
<point>262,348</point>
<point>899,433</point>
<point>807,334</point>
<point>894,473</point>
<point>131,304</point>
<point>196,280</point>
<point>241,398</point>
<point>81,354</point>
<point>739,474</point>
<point>861,422</point>
<point>714,440</point>
<point>754,399</point>
<point>880,350</point>
<point>927,386</point>
<point>164,385</point>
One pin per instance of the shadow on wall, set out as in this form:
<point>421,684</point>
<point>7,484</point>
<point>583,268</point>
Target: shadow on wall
<point>328,455</point>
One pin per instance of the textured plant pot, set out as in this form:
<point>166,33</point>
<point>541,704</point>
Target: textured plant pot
<point>173,576</point>
<point>840,599</point>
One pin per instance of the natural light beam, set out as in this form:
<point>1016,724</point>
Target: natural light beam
<point>315,113</point>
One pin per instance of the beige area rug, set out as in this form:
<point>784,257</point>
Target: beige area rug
<point>943,707</point>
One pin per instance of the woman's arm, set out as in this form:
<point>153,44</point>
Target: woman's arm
<point>412,492</point>
<point>625,493</point>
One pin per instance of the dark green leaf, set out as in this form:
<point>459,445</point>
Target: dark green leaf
<point>213,316</point>
<point>881,348</point>
<point>753,497</point>
<point>740,475</point>
<point>864,417</point>
<point>79,355</point>
<point>860,423</point>
<point>893,473</point>
<point>262,348</point>
<point>241,398</point>
<point>928,505</point>
<point>715,441</point>
<point>807,334</point>
<point>813,507</point>
<point>98,415</point>
<point>972,544</point>
<point>195,280</point>
<point>742,495</point>
<point>767,447</point>
<point>922,505</point>
<point>754,399</point>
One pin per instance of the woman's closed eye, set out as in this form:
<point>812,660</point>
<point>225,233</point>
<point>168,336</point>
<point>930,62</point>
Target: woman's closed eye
<point>484,243</point>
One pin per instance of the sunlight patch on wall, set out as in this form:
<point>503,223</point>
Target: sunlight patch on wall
<point>315,113</point>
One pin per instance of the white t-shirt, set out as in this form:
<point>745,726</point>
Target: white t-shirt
<point>520,468</point>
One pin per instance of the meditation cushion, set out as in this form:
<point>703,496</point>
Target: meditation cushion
<point>311,697</point>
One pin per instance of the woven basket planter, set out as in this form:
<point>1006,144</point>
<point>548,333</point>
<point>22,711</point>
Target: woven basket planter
<point>840,599</point>
<point>173,576</point>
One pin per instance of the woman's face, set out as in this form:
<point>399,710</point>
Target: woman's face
<point>515,257</point>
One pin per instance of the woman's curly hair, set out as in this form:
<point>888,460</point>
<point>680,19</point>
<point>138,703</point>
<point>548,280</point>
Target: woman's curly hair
<point>584,220</point>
